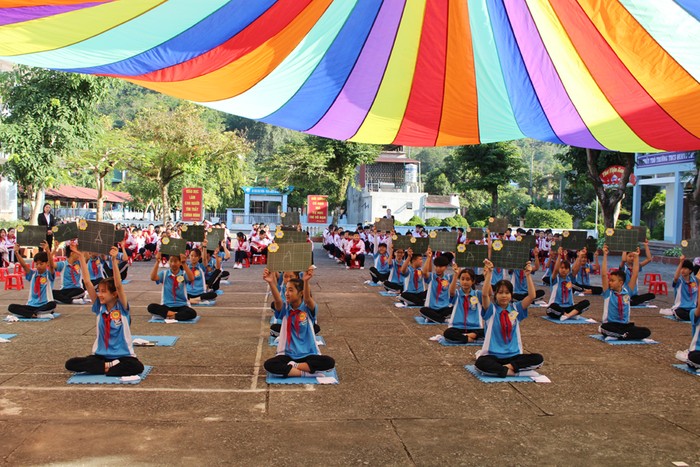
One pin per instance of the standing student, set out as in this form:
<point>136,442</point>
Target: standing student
<point>413,284</point>
<point>40,283</point>
<point>48,220</point>
<point>561,301</point>
<point>4,249</point>
<point>71,290</point>
<point>685,286</point>
<point>437,299</point>
<point>502,353</point>
<point>173,300</point>
<point>617,301</point>
<point>297,351</point>
<point>113,352</point>
<point>466,323</point>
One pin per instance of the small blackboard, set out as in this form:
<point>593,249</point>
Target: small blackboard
<point>384,224</point>
<point>443,241</point>
<point>173,246</point>
<point>528,240</point>
<point>473,255</point>
<point>509,255</point>
<point>192,233</point>
<point>31,235</point>
<point>621,239</point>
<point>96,237</point>
<point>293,236</point>
<point>65,232</point>
<point>573,239</point>
<point>289,218</point>
<point>215,237</point>
<point>592,245</point>
<point>691,248</point>
<point>641,232</point>
<point>475,233</point>
<point>289,257</point>
<point>404,242</point>
<point>498,225</point>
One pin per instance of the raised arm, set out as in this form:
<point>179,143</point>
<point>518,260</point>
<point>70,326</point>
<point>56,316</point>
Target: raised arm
<point>117,277</point>
<point>86,276</point>
<point>429,260</point>
<point>604,270</point>
<point>49,253</point>
<point>635,269</point>
<point>272,282</point>
<point>578,264</point>
<point>308,299</point>
<point>536,253</point>
<point>647,254</point>
<point>531,292</point>
<point>186,268</point>
<point>156,265</point>
<point>677,274</point>
<point>20,259</point>
<point>455,279</point>
<point>555,270</point>
<point>486,290</point>
<point>404,266</point>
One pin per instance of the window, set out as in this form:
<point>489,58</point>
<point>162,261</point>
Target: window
<point>409,205</point>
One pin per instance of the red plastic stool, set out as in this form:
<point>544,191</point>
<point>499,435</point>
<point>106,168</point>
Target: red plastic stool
<point>14,282</point>
<point>354,264</point>
<point>658,288</point>
<point>3,272</point>
<point>246,262</point>
<point>651,277</point>
<point>259,259</point>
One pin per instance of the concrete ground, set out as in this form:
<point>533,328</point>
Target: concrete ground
<point>402,399</point>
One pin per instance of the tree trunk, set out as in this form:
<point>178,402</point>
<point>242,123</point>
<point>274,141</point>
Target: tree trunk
<point>37,206</point>
<point>610,199</point>
<point>100,179</point>
<point>694,203</point>
<point>494,203</point>
<point>166,205</point>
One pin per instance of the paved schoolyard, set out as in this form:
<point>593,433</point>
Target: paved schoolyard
<point>402,399</point>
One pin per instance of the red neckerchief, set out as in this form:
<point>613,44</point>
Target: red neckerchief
<point>354,248</point>
<point>620,306</point>
<point>522,276</point>
<point>94,267</point>
<point>382,259</point>
<point>439,286</point>
<point>37,285</point>
<point>105,333</point>
<point>292,323</point>
<point>415,279</point>
<point>175,285</point>
<point>690,288</point>
<point>466,305</point>
<point>565,291</point>
<point>72,273</point>
<point>506,326</point>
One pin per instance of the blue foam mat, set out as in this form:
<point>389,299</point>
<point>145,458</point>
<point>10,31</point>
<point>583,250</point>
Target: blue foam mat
<point>495,379</point>
<point>275,321</point>
<point>673,318</point>
<point>82,378</point>
<point>374,284</point>
<point>160,341</point>
<point>425,322</point>
<point>645,307</point>
<point>408,307</point>
<point>601,338</point>
<point>384,293</point>
<point>686,369</point>
<point>41,320</point>
<point>271,341</point>
<point>211,303</point>
<point>219,292</point>
<point>125,281</point>
<point>275,379</point>
<point>162,321</point>
<point>447,343</point>
<point>8,336</point>
<point>574,320</point>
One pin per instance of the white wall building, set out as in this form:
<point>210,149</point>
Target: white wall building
<point>8,196</point>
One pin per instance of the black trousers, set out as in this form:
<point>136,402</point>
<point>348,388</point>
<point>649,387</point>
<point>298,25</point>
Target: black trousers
<point>682,313</point>
<point>437,315</point>
<point>626,331</point>
<point>392,286</point>
<point>377,276</point>
<point>594,290</point>
<point>555,310</point>
<point>417,299</point>
<point>460,335</point>
<point>694,359</point>
<point>67,295</point>
<point>359,257</point>
<point>28,311</point>
<point>123,270</point>
<point>520,296</point>
<point>204,296</point>
<point>279,365</point>
<point>276,328</point>
<point>636,300</point>
<point>182,313</point>
<point>495,366</point>
<point>214,280</point>
<point>239,256</point>
<point>95,365</point>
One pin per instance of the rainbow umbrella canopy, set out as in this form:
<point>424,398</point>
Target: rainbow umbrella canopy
<point>615,74</point>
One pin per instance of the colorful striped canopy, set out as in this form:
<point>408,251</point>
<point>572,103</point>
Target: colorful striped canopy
<point>616,74</point>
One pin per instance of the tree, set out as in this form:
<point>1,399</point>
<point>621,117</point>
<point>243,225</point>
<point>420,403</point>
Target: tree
<point>436,183</point>
<point>179,142</point>
<point>47,115</point>
<point>486,167</point>
<point>694,201</point>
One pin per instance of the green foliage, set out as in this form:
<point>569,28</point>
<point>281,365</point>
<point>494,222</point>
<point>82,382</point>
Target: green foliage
<point>433,222</point>
<point>12,224</point>
<point>455,221</point>
<point>415,220</point>
<point>430,158</point>
<point>657,233</point>
<point>548,219</point>
<point>675,252</point>
<point>479,224</point>
<point>436,183</point>
<point>513,202</point>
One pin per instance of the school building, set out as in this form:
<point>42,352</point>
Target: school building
<point>393,182</point>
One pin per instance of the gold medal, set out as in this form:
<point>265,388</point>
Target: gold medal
<point>498,245</point>
<point>569,285</point>
<point>115,315</point>
<point>279,234</point>
<point>433,234</point>
<point>273,248</point>
<point>302,316</point>
<point>183,228</point>
<point>474,300</point>
<point>461,248</point>
<point>413,240</point>
<point>42,280</point>
<point>684,243</point>
<point>180,279</point>
<point>445,283</point>
<point>165,241</point>
<point>609,231</point>
<point>82,224</point>
<point>20,228</point>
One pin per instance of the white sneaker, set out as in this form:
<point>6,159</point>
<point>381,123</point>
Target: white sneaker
<point>362,267</point>
<point>682,355</point>
<point>225,283</point>
<point>347,267</point>
<point>206,302</point>
<point>563,318</point>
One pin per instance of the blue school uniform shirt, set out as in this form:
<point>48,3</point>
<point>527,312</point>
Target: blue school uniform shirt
<point>395,276</point>
<point>174,291</point>
<point>496,275</point>
<point>199,285</point>
<point>113,332</point>
<point>519,280</point>
<point>616,306</point>
<point>633,288</point>
<point>583,276</point>
<point>562,292</point>
<point>502,335</point>
<point>211,267</point>
<point>382,263</point>
<point>413,280</point>
<point>72,275</point>
<point>297,338</point>
<point>686,294</point>
<point>40,286</point>
<point>96,268</point>
<point>695,341</point>
<point>467,310</point>
<point>438,290</point>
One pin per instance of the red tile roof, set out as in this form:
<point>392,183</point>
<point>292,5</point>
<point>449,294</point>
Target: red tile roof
<point>79,193</point>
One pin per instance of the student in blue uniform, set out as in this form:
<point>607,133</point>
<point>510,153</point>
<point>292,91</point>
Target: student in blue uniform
<point>693,359</point>
<point>276,327</point>
<point>395,281</point>
<point>215,273</point>
<point>582,269</point>
<point>173,300</point>
<point>113,352</point>
<point>437,300</point>
<point>685,290</point>
<point>519,281</point>
<point>413,284</point>
<point>617,301</point>
<point>71,290</point>
<point>297,350</point>
<point>40,282</point>
<point>96,269</point>
<point>466,323</point>
<point>626,266</point>
<point>561,301</point>
<point>502,353</point>
<point>382,262</point>
<point>197,288</point>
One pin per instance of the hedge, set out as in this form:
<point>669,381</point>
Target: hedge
<point>548,218</point>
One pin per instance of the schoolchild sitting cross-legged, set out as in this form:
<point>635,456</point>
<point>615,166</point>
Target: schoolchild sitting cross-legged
<point>466,323</point>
